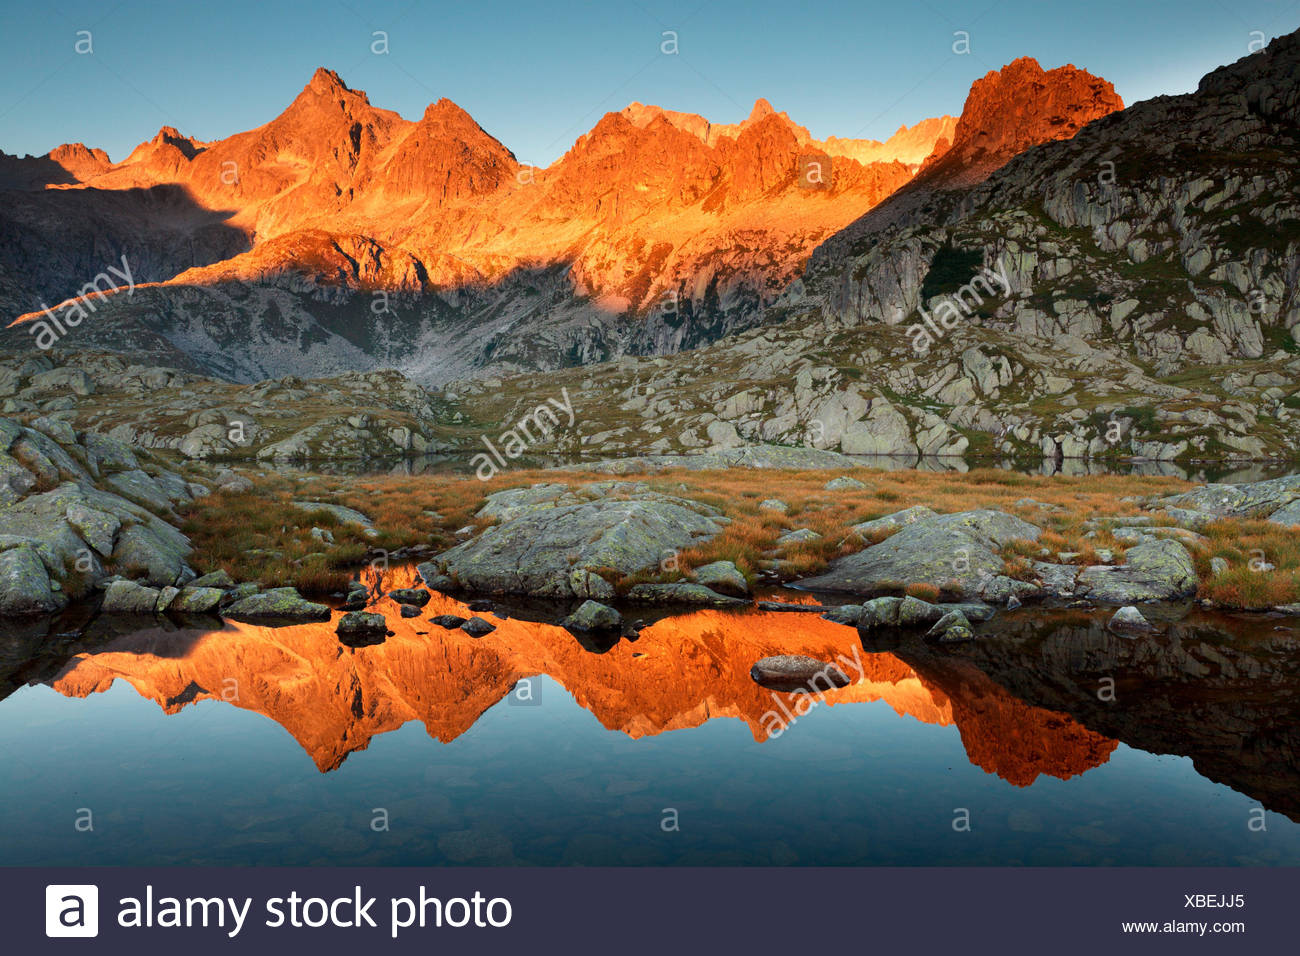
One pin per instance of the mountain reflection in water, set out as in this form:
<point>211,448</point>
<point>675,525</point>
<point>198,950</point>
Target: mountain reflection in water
<point>1029,701</point>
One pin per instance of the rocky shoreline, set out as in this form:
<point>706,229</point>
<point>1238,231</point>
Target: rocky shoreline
<point>87,521</point>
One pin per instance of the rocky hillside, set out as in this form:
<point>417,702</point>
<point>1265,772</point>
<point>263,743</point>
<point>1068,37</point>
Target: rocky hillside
<point>1128,292</point>
<point>368,416</point>
<point>77,508</point>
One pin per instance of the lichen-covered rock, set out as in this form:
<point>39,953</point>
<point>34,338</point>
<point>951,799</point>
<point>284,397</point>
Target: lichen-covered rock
<point>214,579</point>
<point>141,552</point>
<point>680,592</point>
<point>891,523</point>
<point>957,553</point>
<point>25,584</point>
<point>913,612</point>
<point>130,597</point>
<point>951,628</point>
<point>1255,499</point>
<point>723,577</point>
<point>879,612</point>
<point>416,596</point>
<point>593,616</point>
<point>541,542</point>
<point>280,604</point>
<point>358,624</point>
<point>1152,571</point>
<point>196,600</point>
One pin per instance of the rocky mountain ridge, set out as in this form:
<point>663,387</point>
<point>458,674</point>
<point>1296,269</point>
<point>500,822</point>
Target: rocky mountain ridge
<point>1129,292</point>
<point>340,236</point>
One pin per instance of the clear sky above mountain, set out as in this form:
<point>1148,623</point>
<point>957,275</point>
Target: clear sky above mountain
<point>536,76</point>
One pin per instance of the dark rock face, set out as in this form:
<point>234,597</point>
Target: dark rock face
<point>449,621</point>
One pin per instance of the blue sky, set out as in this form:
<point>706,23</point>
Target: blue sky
<point>537,75</point>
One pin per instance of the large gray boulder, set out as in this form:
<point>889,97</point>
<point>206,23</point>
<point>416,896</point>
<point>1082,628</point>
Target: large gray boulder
<point>141,552</point>
<point>1254,499</point>
<point>547,536</point>
<point>25,584</point>
<point>1288,514</point>
<point>130,597</point>
<point>957,553</point>
<point>1153,571</point>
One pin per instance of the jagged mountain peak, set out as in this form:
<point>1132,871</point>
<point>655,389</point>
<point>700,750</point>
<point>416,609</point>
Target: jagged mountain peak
<point>1009,110</point>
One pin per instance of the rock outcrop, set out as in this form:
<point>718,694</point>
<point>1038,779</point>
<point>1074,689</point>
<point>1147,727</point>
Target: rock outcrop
<point>957,554</point>
<point>555,542</point>
<point>78,508</point>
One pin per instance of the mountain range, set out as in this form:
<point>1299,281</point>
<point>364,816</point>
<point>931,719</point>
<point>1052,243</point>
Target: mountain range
<point>693,286</point>
<point>341,236</point>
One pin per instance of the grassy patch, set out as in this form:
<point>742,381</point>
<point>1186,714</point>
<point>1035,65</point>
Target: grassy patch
<point>261,536</point>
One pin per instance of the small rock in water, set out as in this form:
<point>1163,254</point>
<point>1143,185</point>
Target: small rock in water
<point>1013,602</point>
<point>848,614</point>
<point>950,628</point>
<point>791,672</point>
<point>417,596</point>
<point>791,608</point>
<point>723,577</point>
<point>477,627</point>
<point>408,610</point>
<point>480,605</point>
<point>361,626</point>
<point>278,604</point>
<point>1129,619</point>
<point>449,621</point>
<point>593,616</point>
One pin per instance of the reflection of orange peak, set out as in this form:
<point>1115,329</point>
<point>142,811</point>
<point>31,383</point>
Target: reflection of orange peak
<point>680,673</point>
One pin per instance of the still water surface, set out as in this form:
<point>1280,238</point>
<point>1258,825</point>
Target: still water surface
<point>238,744</point>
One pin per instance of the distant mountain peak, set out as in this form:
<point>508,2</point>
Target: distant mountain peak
<point>1019,106</point>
